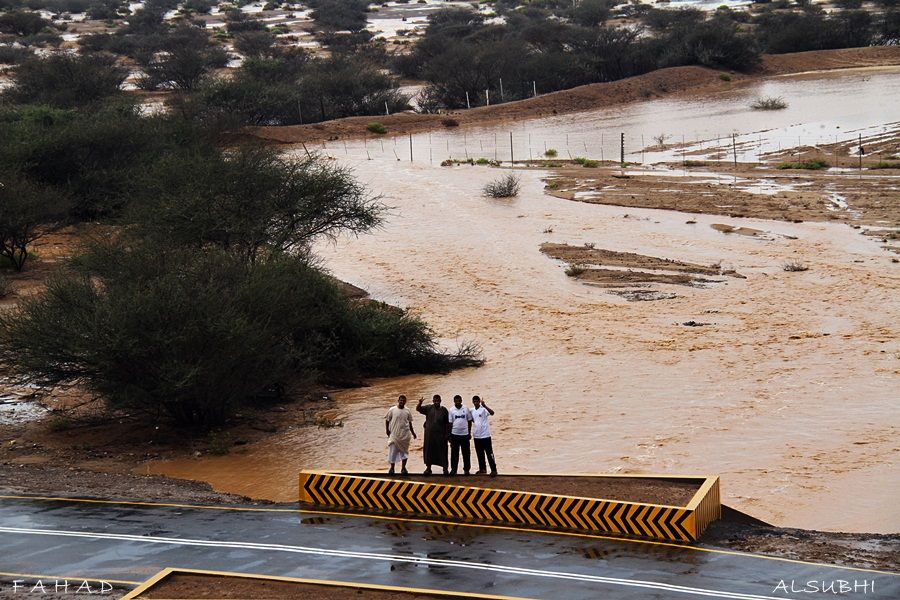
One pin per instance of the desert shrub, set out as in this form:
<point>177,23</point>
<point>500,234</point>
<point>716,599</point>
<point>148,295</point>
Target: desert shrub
<point>795,266</point>
<point>725,76</point>
<point>254,43</point>
<point>338,15</point>
<point>769,103</point>
<point>11,55</point>
<point>23,22</point>
<point>883,164</point>
<point>482,161</point>
<point>199,6</point>
<point>186,56</point>
<point>448,122</point>
<point>811,165</point>
<point>95,159</point>
<point>575,270</point>
<point>506,187</point>
<point>28,211</point>
<point>376,127</point>
<point>551,153</point>
<point>66,80</point>
<point>586,162</point>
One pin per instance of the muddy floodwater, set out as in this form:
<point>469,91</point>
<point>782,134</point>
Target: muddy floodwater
<point>789,390</point>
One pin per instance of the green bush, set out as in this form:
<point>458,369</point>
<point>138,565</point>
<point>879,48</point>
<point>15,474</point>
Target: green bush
<point>376,127</point>
<point>812,165</point>
<point>725,76</point>
<point>551,153</point>
<point>586,162</point>
<point>66,80</point>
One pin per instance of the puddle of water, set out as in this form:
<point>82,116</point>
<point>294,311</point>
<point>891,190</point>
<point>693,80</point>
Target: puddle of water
<point>823,108</point>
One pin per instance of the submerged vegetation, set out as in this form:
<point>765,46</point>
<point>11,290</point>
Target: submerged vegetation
<point>505,187</point>
<point>769,103</point>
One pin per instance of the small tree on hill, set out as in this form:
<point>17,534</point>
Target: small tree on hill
<point>28,211</point>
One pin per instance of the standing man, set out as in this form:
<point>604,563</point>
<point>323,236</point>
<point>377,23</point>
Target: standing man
<point>398,425</point>
<point>460,433</point>
<point>437,426</point>
<point>482,433</point>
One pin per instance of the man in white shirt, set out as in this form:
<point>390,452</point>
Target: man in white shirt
<point>398,426</point>
<point>460,432</point>
<point>482,434</point>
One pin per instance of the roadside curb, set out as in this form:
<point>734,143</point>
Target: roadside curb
<point>377,493</point>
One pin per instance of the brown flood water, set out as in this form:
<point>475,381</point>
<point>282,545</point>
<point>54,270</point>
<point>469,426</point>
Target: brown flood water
<point>791,394</point>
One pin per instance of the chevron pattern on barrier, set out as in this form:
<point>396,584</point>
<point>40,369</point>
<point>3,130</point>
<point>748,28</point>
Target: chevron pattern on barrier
<point>504,506</point>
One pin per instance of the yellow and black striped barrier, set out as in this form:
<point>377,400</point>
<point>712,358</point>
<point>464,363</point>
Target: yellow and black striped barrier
<point>349,491</point>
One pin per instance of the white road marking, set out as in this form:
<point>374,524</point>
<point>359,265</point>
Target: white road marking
<point>394,558</point>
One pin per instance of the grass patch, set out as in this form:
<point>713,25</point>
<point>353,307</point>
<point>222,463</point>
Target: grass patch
<point>376,127</point>
<point>810,165</point>
<point>769,103</point>
<point>883,164</point>
<point>694,163</point>
<point>505,187</point>
<point>587,162</point>
<point>449,122</point>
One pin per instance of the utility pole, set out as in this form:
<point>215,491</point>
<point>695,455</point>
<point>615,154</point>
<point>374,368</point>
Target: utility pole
<point>734,149</point>
<point>512,160</point>
<point>487,96</point>
<point>410,148</point>
<point>622,150</point>
<point>467,101</point>
<point>501,89</point>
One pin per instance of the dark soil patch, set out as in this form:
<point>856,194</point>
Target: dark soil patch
<point>630,489</point>
<point>183,587</point>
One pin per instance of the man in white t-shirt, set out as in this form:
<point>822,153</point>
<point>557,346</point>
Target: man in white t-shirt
<point>460,432</point>
<point>481,431</point>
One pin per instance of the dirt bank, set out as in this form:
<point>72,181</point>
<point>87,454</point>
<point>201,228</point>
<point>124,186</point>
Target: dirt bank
<point>191,586</point>
<point>862,198</point>
<point>681,81</point>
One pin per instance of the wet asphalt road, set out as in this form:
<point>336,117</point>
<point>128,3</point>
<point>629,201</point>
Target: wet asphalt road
<point>117,541</point>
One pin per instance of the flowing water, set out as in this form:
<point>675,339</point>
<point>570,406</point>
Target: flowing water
<point>790,393</point>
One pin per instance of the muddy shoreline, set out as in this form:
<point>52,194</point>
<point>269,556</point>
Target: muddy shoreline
<point>673,81</point>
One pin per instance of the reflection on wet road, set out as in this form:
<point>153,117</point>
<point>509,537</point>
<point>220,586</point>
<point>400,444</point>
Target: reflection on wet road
<point>130,542</point>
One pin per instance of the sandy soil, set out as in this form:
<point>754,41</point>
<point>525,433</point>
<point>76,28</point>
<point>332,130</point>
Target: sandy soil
<point>178,587</point>
<point>653,491</point>
<point>676,81</point>
<point>717,190</point>
<point>632,270</point>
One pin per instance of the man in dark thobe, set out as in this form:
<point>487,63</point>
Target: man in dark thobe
<point>437,428</point>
